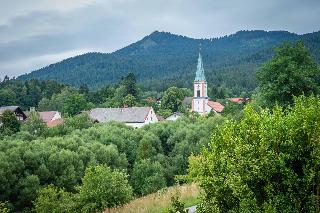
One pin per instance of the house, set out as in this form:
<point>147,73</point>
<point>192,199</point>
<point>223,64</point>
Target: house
<point>174,116</point>
<point>216,107</point>
<point>238,100</point>
<point>21,116</point>
<point>200,101</point>
<point>51,118</point>
<point>132,116</point>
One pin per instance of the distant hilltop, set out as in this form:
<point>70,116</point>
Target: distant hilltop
<point>162,59</point>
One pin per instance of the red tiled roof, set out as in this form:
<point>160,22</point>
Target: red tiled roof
<point>235,100</point>
<point>47,116</point>
<point>55,122</point>
<point>238,100</point>
<point>216,106</point>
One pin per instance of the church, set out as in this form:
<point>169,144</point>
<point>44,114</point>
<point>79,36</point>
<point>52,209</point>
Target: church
<point>200,101</point>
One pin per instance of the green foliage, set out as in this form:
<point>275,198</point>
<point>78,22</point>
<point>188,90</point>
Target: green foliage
<point>155,153</point>
<point>233,110</point>
<point>129,100</point>
<point>74,104</point>
<point>147,177</point>
<point>267,162</point>
<point>3,207</point>
<point>103,188</point>
<point>129,83</point>
<point>9,123</point>
<point>291,72</point>
<point>172,99</point>
<point>53,199</point>
<point>149,146</point>
<point>34,125</point>
<point>69,101</point>
<point>83,89</point>
<point>164,112</point>
<point>26,94</point>
<point>176,205</point>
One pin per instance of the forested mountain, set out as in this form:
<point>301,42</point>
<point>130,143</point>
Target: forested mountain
<point>162,59</point>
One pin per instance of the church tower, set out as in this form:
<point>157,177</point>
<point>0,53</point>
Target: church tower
<point>200,88</point>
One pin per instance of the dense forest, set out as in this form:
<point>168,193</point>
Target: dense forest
<point>261,156</point>
<point>161,60</point>
<point>48,95</point>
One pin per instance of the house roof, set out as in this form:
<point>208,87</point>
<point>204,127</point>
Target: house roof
<point>16,109</point>
<point>127,115</point>
<point>238,100</point>
<point>55,122</point>
<point>216,106</point>
<point>12,108</point>
<point>47,116</point>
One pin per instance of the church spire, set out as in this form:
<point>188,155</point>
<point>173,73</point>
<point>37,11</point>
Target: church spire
<point>200,71</point>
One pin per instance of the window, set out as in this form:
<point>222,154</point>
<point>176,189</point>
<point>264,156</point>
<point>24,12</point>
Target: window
<point>198,93</point>
<point>198,90</point>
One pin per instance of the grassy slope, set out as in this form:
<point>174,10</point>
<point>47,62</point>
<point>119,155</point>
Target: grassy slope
<point>160,201</point>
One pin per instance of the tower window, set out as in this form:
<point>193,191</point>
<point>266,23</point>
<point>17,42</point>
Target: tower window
<point>198,93</point>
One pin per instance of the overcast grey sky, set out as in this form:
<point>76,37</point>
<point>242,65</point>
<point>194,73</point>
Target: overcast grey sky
<point>35,33</point>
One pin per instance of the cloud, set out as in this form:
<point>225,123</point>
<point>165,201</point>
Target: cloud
<point>35,33</point>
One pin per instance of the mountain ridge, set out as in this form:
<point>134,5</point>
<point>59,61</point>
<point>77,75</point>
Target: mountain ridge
<point>163,59</point>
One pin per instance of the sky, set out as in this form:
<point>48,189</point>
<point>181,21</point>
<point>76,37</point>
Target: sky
<point>36,33</point>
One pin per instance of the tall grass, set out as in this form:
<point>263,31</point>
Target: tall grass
<point>160,201</point>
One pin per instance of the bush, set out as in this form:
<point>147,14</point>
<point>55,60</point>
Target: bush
<point>267,162</point>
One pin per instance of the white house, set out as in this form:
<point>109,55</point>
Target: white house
<point>132,116</point>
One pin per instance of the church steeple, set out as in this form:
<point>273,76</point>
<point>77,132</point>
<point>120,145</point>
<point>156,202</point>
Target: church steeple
<point>200,90</point>
<point>200,71</point>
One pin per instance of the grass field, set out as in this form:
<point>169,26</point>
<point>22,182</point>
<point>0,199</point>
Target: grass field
<point>160,201</point>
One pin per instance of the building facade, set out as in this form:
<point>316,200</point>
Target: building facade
<point>200,87</point>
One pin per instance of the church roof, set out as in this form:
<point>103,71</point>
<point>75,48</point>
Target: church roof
<point>200,71</point>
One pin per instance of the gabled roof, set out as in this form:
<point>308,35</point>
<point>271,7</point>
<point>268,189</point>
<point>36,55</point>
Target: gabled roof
<point>11,108</point>
<point>216,106</point>
<point>55,122</point>
<point>15,109</point>
<point>47,116</point>
<point>238,100</point>
<point>126,115</point>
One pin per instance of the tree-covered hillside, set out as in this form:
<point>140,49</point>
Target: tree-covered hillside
<point>162,59</point>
